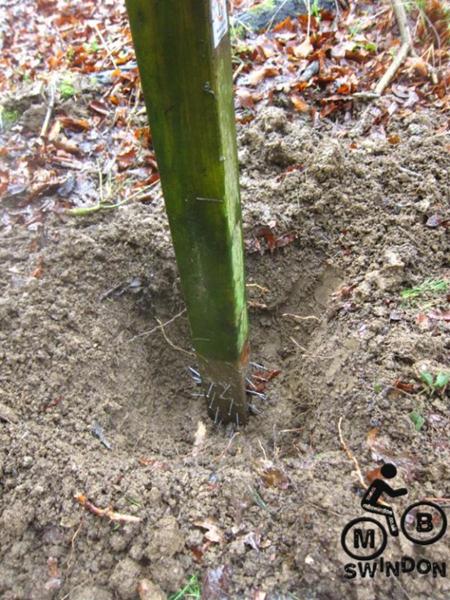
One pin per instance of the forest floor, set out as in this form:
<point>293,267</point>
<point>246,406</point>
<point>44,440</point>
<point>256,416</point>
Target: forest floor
<point>114,484</point>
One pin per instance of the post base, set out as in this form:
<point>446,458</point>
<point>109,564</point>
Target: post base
<point>224,386</point>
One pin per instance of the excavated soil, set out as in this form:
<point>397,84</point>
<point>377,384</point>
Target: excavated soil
<point>261,509</point>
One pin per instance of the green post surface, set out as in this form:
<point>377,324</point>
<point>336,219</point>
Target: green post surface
<point>183,53</point>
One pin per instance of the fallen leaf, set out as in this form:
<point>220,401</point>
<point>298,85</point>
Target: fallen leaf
<point>260,74</point>
<point>299,104</point>
<point>273,477</point>
<point>99,107</point>
<point>74,124</point>
<point>213,532</point>
<point>304,49</point>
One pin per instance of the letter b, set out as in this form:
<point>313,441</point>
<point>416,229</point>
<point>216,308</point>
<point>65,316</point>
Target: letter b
<point>424,522</point>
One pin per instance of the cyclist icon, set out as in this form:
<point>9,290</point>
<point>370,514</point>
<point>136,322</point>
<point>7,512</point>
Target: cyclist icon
<point>365,538</point>
<point>378,487</point>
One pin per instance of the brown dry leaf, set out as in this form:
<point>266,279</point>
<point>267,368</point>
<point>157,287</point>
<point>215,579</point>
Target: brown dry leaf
<point>99,107</point>
<point>245,98</point>
<point>65,144</point>
<point>213,532</point>
<point>273,477</point>
<point>75,124</point>
<point>126,160</point>
<point>304,49</point>
<point>417,66</point>
<point>262,73</point>
<point>299,104</point>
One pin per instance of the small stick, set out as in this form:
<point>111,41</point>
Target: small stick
<point>256,285</point>
<point>228,446</point>
<point>105,46</point>
<point>150,331</point>
<point>300,318</point>
<point>351,455</point>
<point>161,326</point>
<point>105,512</point>
<point>50,107</point>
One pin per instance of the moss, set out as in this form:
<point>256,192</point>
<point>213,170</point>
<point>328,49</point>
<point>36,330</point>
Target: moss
<point>8,117</point>
<point>67,88</point>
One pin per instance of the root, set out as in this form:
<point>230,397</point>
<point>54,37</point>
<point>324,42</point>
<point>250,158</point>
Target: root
<point>105,512</point>
<point>350,455</point>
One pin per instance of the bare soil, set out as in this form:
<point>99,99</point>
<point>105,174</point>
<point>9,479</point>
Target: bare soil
<point>276,494</point>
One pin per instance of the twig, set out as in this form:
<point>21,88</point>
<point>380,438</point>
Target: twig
<point>259,287</point>
<point>442,501</point>
<point>105,512</point>
<point>50,107</point>
<point>254,304</point>
<point>350,455</point>
<point>393,68</point>
<point>150,331</point>
<point>161,326</point>
<point>105,46</point>
<point>228,446</point>
<point>405,48</point>
<point>305,350</point>
<point>300,318</point>
<point>72,546</point>
<point>269,26</point>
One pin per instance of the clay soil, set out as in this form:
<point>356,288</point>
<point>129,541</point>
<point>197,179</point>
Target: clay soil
<point>260,509</point>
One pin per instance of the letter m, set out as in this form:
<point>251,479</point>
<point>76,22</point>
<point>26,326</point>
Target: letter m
<point>363,538</point>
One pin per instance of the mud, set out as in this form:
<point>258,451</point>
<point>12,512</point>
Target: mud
<point>78,354</point>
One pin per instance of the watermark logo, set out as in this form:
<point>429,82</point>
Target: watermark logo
<point>365,538</point>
